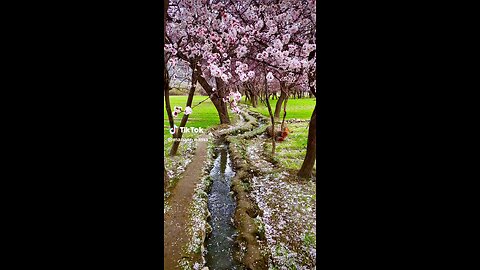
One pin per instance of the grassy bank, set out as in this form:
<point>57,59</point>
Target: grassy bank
<point>296,108</point>
<point>204,115</point>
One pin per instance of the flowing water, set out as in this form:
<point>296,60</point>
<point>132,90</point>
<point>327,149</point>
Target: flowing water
<point>221,204</point>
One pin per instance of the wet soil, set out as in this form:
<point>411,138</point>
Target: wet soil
<point>177,218</point>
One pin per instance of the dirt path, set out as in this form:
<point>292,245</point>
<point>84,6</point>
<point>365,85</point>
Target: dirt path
<point>176,219</point>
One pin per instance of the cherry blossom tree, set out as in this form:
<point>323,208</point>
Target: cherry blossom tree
<point>280,36</point>
<point>207,36</point>
<point>242,44</point>
<point>287,33</point>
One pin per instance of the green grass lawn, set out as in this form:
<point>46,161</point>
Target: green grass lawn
<point>296,108</point>
<point>291,152</point>
<point>204,115</point>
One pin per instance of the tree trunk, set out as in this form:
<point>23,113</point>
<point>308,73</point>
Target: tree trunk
<point>216,99</point>
<point>247,96</point>
<point>165,8</point>
<point>221,109</point>
<point>168,107</point>
<point>284,114</point>
<point>253,96</point>
<point>222,90</point>
<point>178,135</point>
<point>271,117</point>
<point>262,98</point>
<point>309,161</point>
<point>307,166</point>
<point>280,100</point>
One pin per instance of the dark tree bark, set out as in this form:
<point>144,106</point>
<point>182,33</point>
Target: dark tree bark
<point>216,97</point>
<point>178,135</point>
<point>307,166</point>
<point>284,114</point>
<point>168,107</point>
<point>217,100</point>
<point>255,100</point>
<point>309,161</point>
<point>222,89</point>
<point>221,109</point>
<point>271,116</point>
<point>247,96</point>
<point>249,88</point>
<point>283,95</point>
<point>262,98</point>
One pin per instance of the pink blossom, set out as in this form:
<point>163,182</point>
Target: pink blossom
<point>243,77</point>
<point>237,96</point>
<point>277,44</point>
<point>269,76</point>
<point>172,61</point>
<point>236,109</point>
<point>259,25</point>
<point>293,29</point>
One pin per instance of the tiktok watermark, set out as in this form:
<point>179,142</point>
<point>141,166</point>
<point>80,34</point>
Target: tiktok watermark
<point>187,139</point>
<point>195,130</point>
<point>186,130</point>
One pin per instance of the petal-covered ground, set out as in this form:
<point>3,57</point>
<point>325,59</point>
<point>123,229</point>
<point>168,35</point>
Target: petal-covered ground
<point>288,206</point>
<point>176,165</point>
<point>287,216</point>
<point>289,219</point>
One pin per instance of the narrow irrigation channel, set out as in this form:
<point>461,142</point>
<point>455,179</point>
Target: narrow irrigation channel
<point>221,204</point>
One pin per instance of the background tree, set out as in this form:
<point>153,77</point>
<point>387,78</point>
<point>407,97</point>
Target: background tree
<point>178,134</point>
<point>307,165</point>
<point>205,33</point>
<point>229,43</point>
